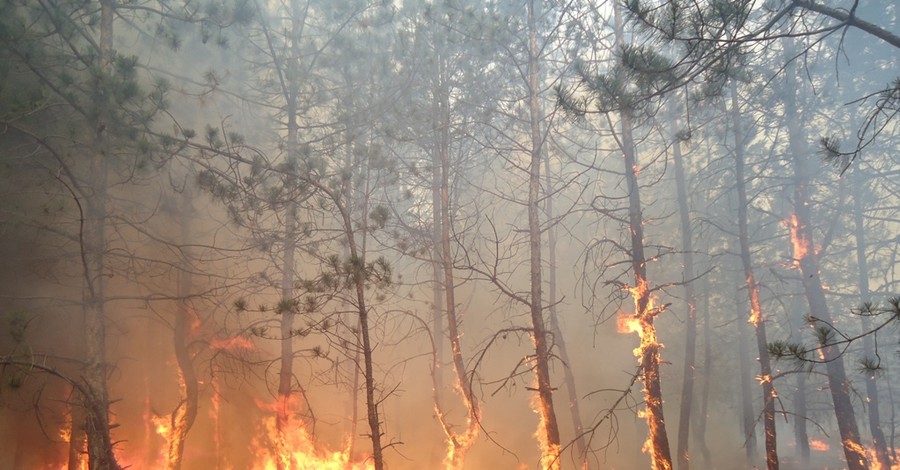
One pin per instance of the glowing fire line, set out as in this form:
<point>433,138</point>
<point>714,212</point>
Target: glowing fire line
<point>299,450</point>
<point>647,353</point>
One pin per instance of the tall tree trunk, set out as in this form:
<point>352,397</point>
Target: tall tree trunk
<point>344,204</point>
<point>287,307</point>
<point>459,442</point>
<point>699,434</point>
<point>756,315</point>
<point>862,266</point>
<point>186,412</point>
<point>801,410</point>
<point>645,313</point>
<point>77,438</point>
<point>97,427</point>
<point>437,253</point>
<point>568,373</point>
<point>807,259</point>
<point>748,416</point>
<point>658,441</point>
<point>690,322</point>
<point>284,404</point>
<point>358,263</point>
<point>437,321</point>
<point>548,433</point>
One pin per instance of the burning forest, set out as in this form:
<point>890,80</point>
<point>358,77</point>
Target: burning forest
<point>449,234</point>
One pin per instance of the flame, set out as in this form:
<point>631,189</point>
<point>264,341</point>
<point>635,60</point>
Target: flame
<point>799,241</point>
<point>871,457</point>
<point>215,413</point>
<point>299,451</point>
<point>755,305</point>
<point>233,343</point>
<point>162,424</point>
<point>647,353</point>
<point>66,430</point>
<point>819,446</point>
<point>549,452</point>
<point>458,444</point>
<point>626,323</point>
<point>861,451</point>
<point>640,322</point>
<point>194,323</point>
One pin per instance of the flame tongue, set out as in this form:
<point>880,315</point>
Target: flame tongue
<point>799,241</point>
<point>647,353</point>
<point>297,448</point>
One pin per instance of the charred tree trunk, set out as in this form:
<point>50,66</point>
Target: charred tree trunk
<point>801,410</point>
<point>371,403</point>
<point>437,268</point>
<point>756,315</point>
<point>690,322</point>
<point>549,429</point>
<point>93,238</point>
<point>437,321</point>
<point>286,308</point>
<point>186,412</point>
<point>807,260</point>
<point>862,266</point>
<point>290,83</point>
<point>748,416</point>
<point>77,438</point>
<point>644,314</point>
<point>703,381</point>
<point>459,443</point>
<point>357,265</point>
<point>568,374</point>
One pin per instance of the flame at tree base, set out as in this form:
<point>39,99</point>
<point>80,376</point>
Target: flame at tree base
<point>647,353</point>
<point>549,452</point>
<point>298,449</point>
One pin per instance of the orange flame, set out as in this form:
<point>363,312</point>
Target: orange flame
<point>458,444</point>
<point>66,432</point>
<point>549,452</point>
<point>638,322</point>
<point>819,446</point>
<point>300,452</point>
<point>233,343</point>
<point>215,414</point>
<point>872,457</point>
<point>647,353</point>
<point>799,241</point>
<point>860,450</point>
<point>755,305</point>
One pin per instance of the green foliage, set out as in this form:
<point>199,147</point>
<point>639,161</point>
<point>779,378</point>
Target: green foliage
<point>824,334</point>
<point>781,349</point>
<point>286,306</point>
<point>379,216</point>
<point>870,365</point>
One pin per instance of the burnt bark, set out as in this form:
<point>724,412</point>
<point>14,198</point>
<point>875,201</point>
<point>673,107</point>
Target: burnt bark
<point>459,442</point>
<point>93,238</point>
<point>549,429</point>
<point>862,266</point>
<point>559,339</point>
<point>807,260</point>
<point>645,315</point>
<point>661,456</point>
<point>756,318</point>
<point>690,322</point>
<point>186,412</point>
<point>748,416</point>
